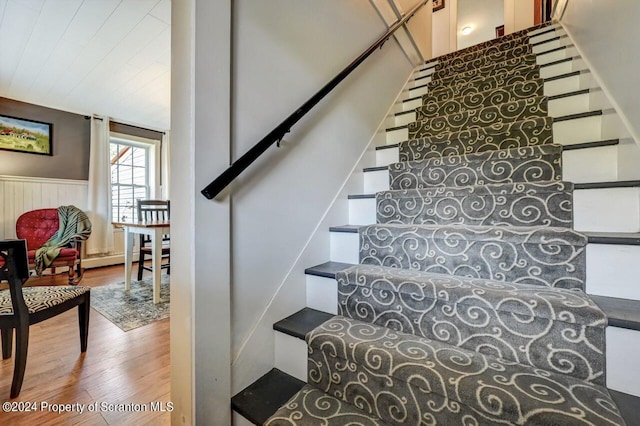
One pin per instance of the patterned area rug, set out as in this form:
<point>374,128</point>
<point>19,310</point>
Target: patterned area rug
<point>134,308</point>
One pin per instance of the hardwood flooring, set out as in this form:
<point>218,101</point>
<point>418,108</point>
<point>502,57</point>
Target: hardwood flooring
<point>118,368</point>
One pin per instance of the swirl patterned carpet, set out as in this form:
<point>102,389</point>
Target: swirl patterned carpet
<point>468,304</point>
<point>132,309</point>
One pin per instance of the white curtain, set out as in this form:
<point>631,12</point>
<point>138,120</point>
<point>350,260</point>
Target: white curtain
<point>99,197</point>
<point>166,161</point>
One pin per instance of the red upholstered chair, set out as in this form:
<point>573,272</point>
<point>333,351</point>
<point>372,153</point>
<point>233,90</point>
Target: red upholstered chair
<point>36,227</point>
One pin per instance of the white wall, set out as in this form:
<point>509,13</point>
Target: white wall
<point>284,51</point>
<point>444,29</point>
<point>483,16</point>
<point>518,15</point>
<point>607,34</point>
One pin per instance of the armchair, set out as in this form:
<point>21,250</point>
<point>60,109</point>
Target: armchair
<point>51,245</point>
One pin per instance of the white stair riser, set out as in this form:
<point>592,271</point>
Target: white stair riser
<point>607,210</point>
<point>559,69</point>
<point>569,105</point>
<point>322,293</point>
<point>623,346</point>
<point>596,210</point>
<point>581,130</point>
<point>362,211</point>
<point>411,93</point>
<point>550,45</point>
<point>422,72</point>
<point>386,156</point>
<point>417,83</point>
<point>590,165</point>
<point>341,247</point>
<point>398,135</point>
<point>562,85</point>
<point>291,355</point>
<point>612,270</point>
<point>578,166</point>
<point>533,38</point>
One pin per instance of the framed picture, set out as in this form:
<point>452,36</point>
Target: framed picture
<point>22,135</point>
<point>437,5</point>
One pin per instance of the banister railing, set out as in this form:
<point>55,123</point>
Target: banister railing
<point>277,134</point>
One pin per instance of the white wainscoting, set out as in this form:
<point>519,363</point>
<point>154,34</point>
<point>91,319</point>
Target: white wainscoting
<point>20,194</point>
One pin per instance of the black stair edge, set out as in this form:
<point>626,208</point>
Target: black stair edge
<point>302,322</point>
<point>561,76</point>
<point>549,40</point>
<point>622,313</point>
<point>559,61</point>
<point>261,399</point>
<point>411,99</point>
<point>604,185</point>
<point>395,145</point>
<point>569,94</point>
<point>544,32</point>
<point>392,129</point>
<point>327,269</point>
<point>409,111</point>
<point>618,238</point>
<point>577,116</point>
<point>422,77</point>
<point>629,406</point>
<point>597,144</point>
<point>375,169</point>
<point>348,229</point>
<point>428,68</point>
<point>360,196</point>
<point>418,87</point>
<point>557,49</point>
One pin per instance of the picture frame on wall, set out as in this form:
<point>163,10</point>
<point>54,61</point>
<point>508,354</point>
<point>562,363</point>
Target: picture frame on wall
<point>437,5</point>
<point>24,135</point>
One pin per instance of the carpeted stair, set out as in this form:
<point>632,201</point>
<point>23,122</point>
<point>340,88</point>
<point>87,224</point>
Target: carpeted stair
<point>468,304</point>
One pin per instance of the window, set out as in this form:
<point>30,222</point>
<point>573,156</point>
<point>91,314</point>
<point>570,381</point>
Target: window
<point>132,175</point>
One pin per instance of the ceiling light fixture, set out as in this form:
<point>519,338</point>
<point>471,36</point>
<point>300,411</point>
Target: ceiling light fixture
<point>466,30</point>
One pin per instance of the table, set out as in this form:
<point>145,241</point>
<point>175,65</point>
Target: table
<point>155,230</point>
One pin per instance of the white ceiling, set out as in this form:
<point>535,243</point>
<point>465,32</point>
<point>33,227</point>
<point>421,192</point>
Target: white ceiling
<point>483,16</point>
<point>107,57</point>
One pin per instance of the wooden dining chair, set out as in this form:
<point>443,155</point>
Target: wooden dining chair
<point>21,307</point>
<point>153,211</point>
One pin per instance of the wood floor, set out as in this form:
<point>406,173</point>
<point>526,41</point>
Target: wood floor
<point>118,368</point>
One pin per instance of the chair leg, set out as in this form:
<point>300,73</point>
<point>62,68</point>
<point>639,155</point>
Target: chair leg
<point>83,320</point>
<point>140,265</point>
<point>7,342</point>
<point>72,280</point>
<point>22,344</point>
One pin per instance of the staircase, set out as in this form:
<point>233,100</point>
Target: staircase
<point>458,292</point>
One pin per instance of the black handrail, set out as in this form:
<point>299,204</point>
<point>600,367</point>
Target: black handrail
<point>276,135</point>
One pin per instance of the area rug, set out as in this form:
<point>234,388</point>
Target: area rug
<point>134,308</point>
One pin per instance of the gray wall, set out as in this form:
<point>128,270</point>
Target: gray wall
<point>607,34</point>
<point>284,51</point>
<point>71,133</point>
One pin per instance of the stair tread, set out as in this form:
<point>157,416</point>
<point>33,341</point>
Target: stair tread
<point>629,406</point>
<point>265,396</point>
<point>611,184</point>
<point>623,313</point>
<point>343,341</point>
<point>578,116</point>
<point>302,322</point>
<point>559,61</point>
<point>623,238</point>
<point>351,229</point>
<point>327,269</point>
